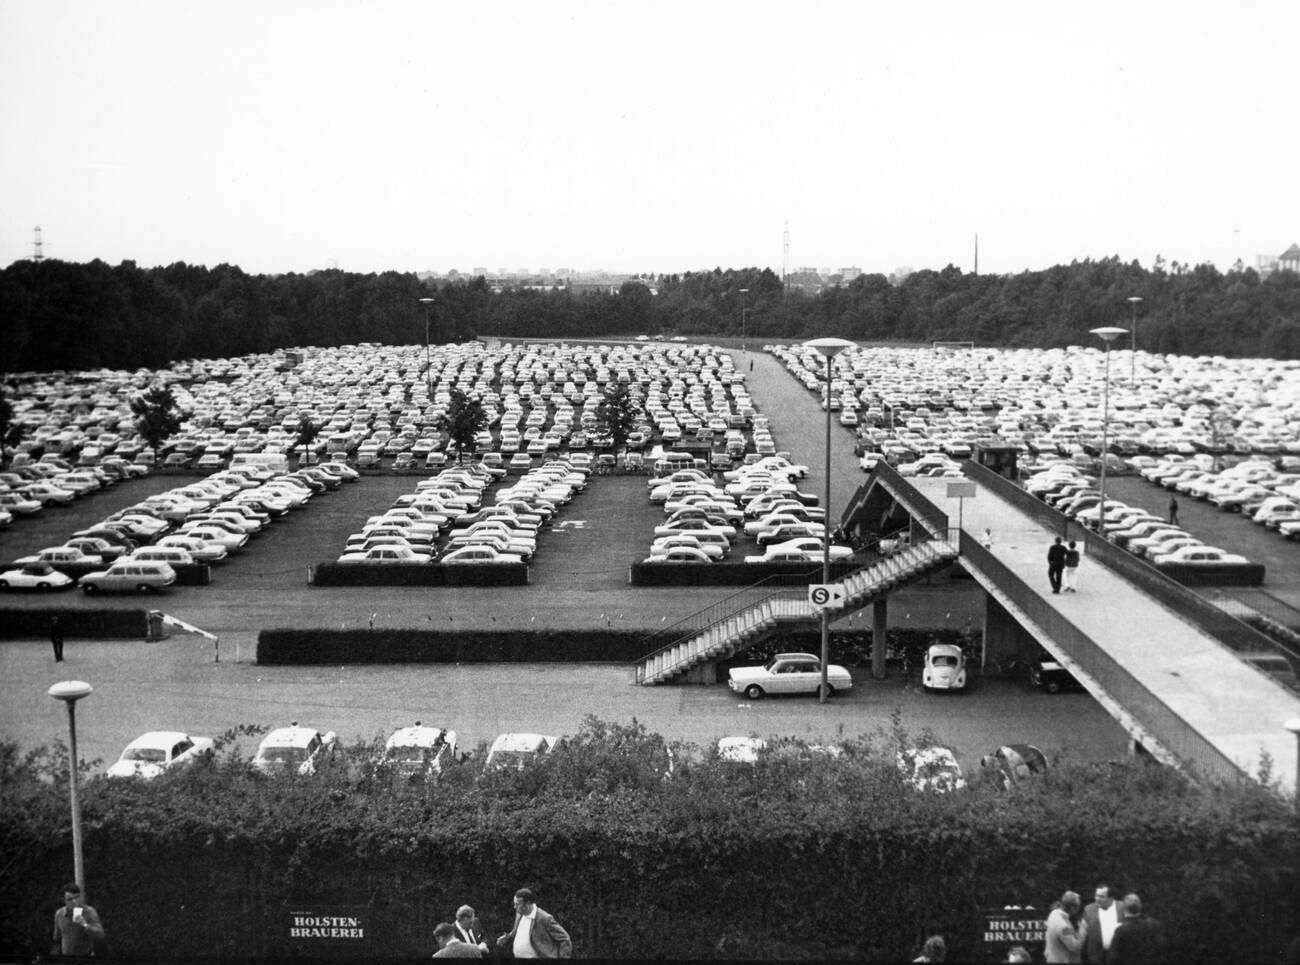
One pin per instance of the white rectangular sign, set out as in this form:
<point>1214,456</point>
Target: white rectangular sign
<point>826,596</point>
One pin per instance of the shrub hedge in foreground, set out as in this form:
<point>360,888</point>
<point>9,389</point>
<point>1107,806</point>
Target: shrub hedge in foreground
<point>287,647</point>
<point>799,857</point>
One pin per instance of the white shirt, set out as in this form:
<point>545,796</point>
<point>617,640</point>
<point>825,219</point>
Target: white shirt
<point>1109,920</point>
<point>523,945</point>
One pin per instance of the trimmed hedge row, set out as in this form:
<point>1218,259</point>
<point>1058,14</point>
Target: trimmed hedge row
<point>418,574</point>
<point>729,573</point>
<point>290,647</point>
<point>74,623</point>
<point>1226,574</point>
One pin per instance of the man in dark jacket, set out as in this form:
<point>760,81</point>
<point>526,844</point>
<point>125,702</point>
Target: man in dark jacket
<point>1055,564</point>
<point>1103,916</point>
<point>1139,939</point>
<point>536,933</point>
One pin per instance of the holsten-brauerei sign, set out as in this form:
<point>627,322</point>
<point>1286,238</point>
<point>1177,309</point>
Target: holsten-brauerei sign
<point>1007,927</point>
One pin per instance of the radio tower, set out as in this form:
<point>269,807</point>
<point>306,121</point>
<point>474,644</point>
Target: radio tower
<point>785,254</point>
<point>36,254</point>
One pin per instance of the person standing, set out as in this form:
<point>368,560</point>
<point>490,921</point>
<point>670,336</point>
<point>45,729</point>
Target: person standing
<point>449,946</point>
<point>987,539</point>
<point>1055,564</point>
<point>1102,917</point>
<point>1139,938</point>
<point>1173,511</point>
<point>1066,932</point>
<point>935,949</point>
<point>56,639</point>
<point>468,929</point>
<point>76,925</point>
<point>536,933</point>
<point>1071,571</point>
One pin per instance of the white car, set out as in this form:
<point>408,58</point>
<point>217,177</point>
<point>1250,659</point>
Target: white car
<point>294,749</point>
<point>713,550</point>
<point>696,526</point>
<point>157,751</point>
<point>390,554</point>
<point>419,751</point>
<point>202,550</point>
<point>741,750</point>
<point>805,548</point>
<point>1198,556</point>
<point>788,673</point>
<point>35,576</point>
<point>517,751</point>
<point>215,534</point>
<point>678,554</point>
<point>62,556</point>
<point>945,667</point>
<point>469,555</point>
<point>931,769</point>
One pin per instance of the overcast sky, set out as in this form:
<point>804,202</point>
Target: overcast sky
<point>288,135</point>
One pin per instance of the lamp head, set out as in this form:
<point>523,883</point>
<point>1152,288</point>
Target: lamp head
<point>70,691</point>
<point>1134,299</point>
<point>427,301</point>
<point>1109,333</point>
<point>830,346</point>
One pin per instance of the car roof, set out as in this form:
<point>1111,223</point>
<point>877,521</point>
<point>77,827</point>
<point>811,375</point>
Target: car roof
<point>417,735</point>
<point>158,738</point>
<point>521,742</point>
<point>289,737</point>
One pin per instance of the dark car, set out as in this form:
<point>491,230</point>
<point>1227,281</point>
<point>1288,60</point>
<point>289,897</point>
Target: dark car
<point>1045,672</point>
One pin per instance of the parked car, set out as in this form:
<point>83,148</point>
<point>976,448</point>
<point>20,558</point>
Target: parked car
<point>390,554</point>
<point>1046,672</point>
<point>294,749</point>
<point>517,751</point>
<point>1199,555</point>
<point>931,769</point>
<point>806,549</point>
<point>788,673</point>
<point>741,750</point>
<point>35,576</point>
<point>469,555</point>
<point>62,556</point>
<point>945,667</point>
<point>201,550</point>
<point>150,754</point>
<point>1013,762</point>
<point>418,752</point>
<point>126,575</point>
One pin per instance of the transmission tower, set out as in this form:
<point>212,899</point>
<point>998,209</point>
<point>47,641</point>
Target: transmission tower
<point>785,255</point>
<point>36,245</point>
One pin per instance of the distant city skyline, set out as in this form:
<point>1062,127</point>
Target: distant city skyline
<point>646,138</point>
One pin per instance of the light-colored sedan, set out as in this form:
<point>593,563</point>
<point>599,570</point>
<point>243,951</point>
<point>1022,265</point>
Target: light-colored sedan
<point>945,668</point>
<point>1199,556</point>
<point>418,752</point>
<point>202,550</point>
<point>931,769</point>
<point>215,534</point>
<point>35,576</point>
<point>713,550</point>
<point>694,526</point>
<point>678,554</point>
<point>788,673</point>
<point>517,751</point>
<point>387,554</point>
<point>157,751</point>
<point>468,555</point>
<point>294,749</point>
<point>806,548</point>
<point>62,556</point>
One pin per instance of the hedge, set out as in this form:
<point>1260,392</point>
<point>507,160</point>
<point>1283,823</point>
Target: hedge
<point>418,574</point>
<point>1224,574</point>
<point>799,857</point>
<point>289,647</point>
<point>24,624</point>
<point>729,573</point>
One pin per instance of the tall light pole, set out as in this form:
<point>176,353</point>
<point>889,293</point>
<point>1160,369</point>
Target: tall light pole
<point>828,347</point>
<point>428,369</point>
<point>1133,338</point>
<point>70,691</point>
<point>743,293</point>
<point>1107,335</point>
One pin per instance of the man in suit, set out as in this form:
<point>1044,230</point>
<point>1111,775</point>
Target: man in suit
<point>1055,564</point>
<point>468,929</point>
<point>536,933</point>
<point>1102,916</point>
<point>1139,938</point>
<point>450,947</point>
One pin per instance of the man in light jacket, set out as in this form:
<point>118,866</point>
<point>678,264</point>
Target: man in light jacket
<point>1065,938</point>
<point>536,933</point>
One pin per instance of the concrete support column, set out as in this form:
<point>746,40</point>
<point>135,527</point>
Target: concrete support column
<point>1003,636</point>
<point>879,617</point>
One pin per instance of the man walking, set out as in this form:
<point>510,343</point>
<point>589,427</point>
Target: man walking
<point>56,639</point>
<point>76,925</point>
<point>1139,938</point>
<point>1072,567</point>
<point>1173,511</point>
<point>1055,564</point>
<point>1102,917</point>
<point>536,933</point>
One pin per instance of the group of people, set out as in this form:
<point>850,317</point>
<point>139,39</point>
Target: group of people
<point>1063,566</point>
<point>1107,931</point>
<point>536,934</point>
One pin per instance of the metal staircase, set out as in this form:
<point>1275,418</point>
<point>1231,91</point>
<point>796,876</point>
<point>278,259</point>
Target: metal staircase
<point>744,619</point>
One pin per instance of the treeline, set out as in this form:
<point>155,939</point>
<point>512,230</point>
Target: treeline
<point>63,315</point>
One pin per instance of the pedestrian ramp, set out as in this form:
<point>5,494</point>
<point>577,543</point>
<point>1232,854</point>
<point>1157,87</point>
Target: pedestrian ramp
<point>773,606</point>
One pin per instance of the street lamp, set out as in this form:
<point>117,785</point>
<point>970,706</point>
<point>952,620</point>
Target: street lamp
<point>1107,335</point>
<point>1133,337</point>
<point>70,691</point>
<point>829,347</point>
<point>428,369</point>
<point>743,292</point>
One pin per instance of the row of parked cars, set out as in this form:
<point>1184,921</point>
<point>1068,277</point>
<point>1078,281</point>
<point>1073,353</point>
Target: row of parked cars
<point>1256,488</point>
<point>445,518</point>
<point>759,501</point>
<point>203,522</point>
<point>1067,488</point>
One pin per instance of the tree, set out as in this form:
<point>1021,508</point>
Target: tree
<point>156,415</point>
<point>617,414</point>
<point>462,421</point>
<point>11,433</point>
<point>307,434</point>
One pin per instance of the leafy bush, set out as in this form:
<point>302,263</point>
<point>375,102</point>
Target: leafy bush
<point>24,624</point>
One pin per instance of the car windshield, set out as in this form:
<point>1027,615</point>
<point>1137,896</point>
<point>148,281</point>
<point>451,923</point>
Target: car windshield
<point>282,755</point>
<point>412,755</point>
<point>945,660</point>
<point>152,755</point>
<point>511,758</point>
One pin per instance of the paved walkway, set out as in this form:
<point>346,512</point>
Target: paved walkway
<point>1238,708</point>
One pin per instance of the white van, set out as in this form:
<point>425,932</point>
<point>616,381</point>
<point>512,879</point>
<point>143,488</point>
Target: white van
<point>171,555</point>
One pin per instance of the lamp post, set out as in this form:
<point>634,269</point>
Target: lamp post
<point>1133,338</point>
<point>1293,725</point>
<point>428,369</point>
<point>828,347</point>
<point>70,691</point>
<point>743,293</point>
<point>1107,335</point>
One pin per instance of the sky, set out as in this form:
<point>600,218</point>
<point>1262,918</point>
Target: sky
<point>647,136</point>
